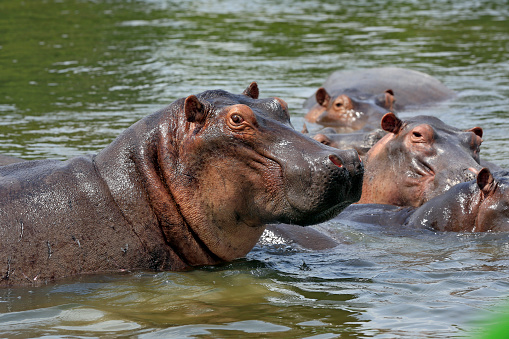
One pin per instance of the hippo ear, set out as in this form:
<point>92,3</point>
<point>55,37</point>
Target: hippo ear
<point>485,181</point>
<point>194,109</point>
<point>476,130</point>
<point>322,97</point>
<point>389,99</point>
<point>391,123</point>
<point>304,129</point>
<point>252,90</point>
<point>322,138</point>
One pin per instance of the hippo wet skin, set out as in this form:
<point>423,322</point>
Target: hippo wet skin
<point>480,205</point>
<point>419,158</point>
<point>357,100</point>
<point>192,184</point>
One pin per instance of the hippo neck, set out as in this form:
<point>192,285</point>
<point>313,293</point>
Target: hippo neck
<point>131,166</point>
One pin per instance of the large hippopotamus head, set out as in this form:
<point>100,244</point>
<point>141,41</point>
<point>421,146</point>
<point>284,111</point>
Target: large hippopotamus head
<point>350,110</point>
<point>479,205</point>
<point>418,159</point>
<point>218,166</point>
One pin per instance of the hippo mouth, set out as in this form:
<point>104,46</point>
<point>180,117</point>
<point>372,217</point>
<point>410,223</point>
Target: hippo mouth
<point>335,194</point>
<point>349,121</point>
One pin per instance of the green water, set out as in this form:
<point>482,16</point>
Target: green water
<point>74,74</point>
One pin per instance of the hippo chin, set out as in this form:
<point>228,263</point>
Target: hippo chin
<point>192,184</point>
<point>418,159</point>
<point>356,100</point>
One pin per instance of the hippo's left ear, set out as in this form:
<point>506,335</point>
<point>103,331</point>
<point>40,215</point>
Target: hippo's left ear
<point>476,130</point>
<point>194,109</point>
<point>252,90</point>
<point>485,181</point>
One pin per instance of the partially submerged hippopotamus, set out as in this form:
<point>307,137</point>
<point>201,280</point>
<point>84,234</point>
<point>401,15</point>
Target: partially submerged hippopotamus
<point>359,141</point>
<point>357,100</point>
<point>418,159</point>
<point>480,205</point>
<point>192,184</point>
<point>7,160</point>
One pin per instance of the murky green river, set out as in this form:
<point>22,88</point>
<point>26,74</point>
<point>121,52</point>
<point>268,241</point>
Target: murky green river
<point>75,73</point>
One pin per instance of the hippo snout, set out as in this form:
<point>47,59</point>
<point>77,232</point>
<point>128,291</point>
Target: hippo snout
<point>350,160</point>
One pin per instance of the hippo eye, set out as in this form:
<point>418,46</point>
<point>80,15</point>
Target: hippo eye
<point>237,119</point>
<point>339,104</point>
<point>417,134</point>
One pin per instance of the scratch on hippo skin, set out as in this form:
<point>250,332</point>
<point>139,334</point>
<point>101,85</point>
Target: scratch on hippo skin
<point>50,251</point>
<point>21,232</point>
<point>77,241</point>
<point>8,273</point>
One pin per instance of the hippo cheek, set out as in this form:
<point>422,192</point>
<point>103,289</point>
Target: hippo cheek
<point>493,214</point>
<point>445,179</point>
<point>350,118</point>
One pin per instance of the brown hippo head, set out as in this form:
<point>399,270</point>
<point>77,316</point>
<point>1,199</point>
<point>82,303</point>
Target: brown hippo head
<point>217,166</point>
<point>479,205</point>
<point>418,159</point>
<point>348,111</point>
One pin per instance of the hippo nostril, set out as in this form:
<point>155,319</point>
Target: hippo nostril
<point>335,160</point>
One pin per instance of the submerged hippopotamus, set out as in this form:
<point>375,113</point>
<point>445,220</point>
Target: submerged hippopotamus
<point>479,205</point>
<point>7,160</point>
<point>359,141</point>
<point>192,184</point>
<point>418,159</point>
<point>357,100</point>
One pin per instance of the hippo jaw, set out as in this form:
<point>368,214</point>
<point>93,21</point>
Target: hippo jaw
<point>337,183</point>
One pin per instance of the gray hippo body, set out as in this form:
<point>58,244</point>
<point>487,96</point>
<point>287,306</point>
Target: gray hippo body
<point>192,184</point>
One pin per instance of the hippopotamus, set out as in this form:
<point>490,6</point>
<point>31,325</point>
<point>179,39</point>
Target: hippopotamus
<point>358,99</point>
<point>7,159</point>
<point>360,141</point>
<point>192,184</point>
<point>418,159</point>
<point>480,205</point>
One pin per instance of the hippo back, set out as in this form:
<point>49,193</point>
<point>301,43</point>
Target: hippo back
<point>411,88</point>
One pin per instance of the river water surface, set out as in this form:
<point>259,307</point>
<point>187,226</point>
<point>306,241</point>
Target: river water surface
<point>75,73</point>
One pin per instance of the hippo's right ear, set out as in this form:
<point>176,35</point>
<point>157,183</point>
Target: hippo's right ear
<point>485,181</point>
<point>322,97</point>
<point>252,90</point>
<point>323,139</point>
<point>391,123</point>
<point>194,109</point>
